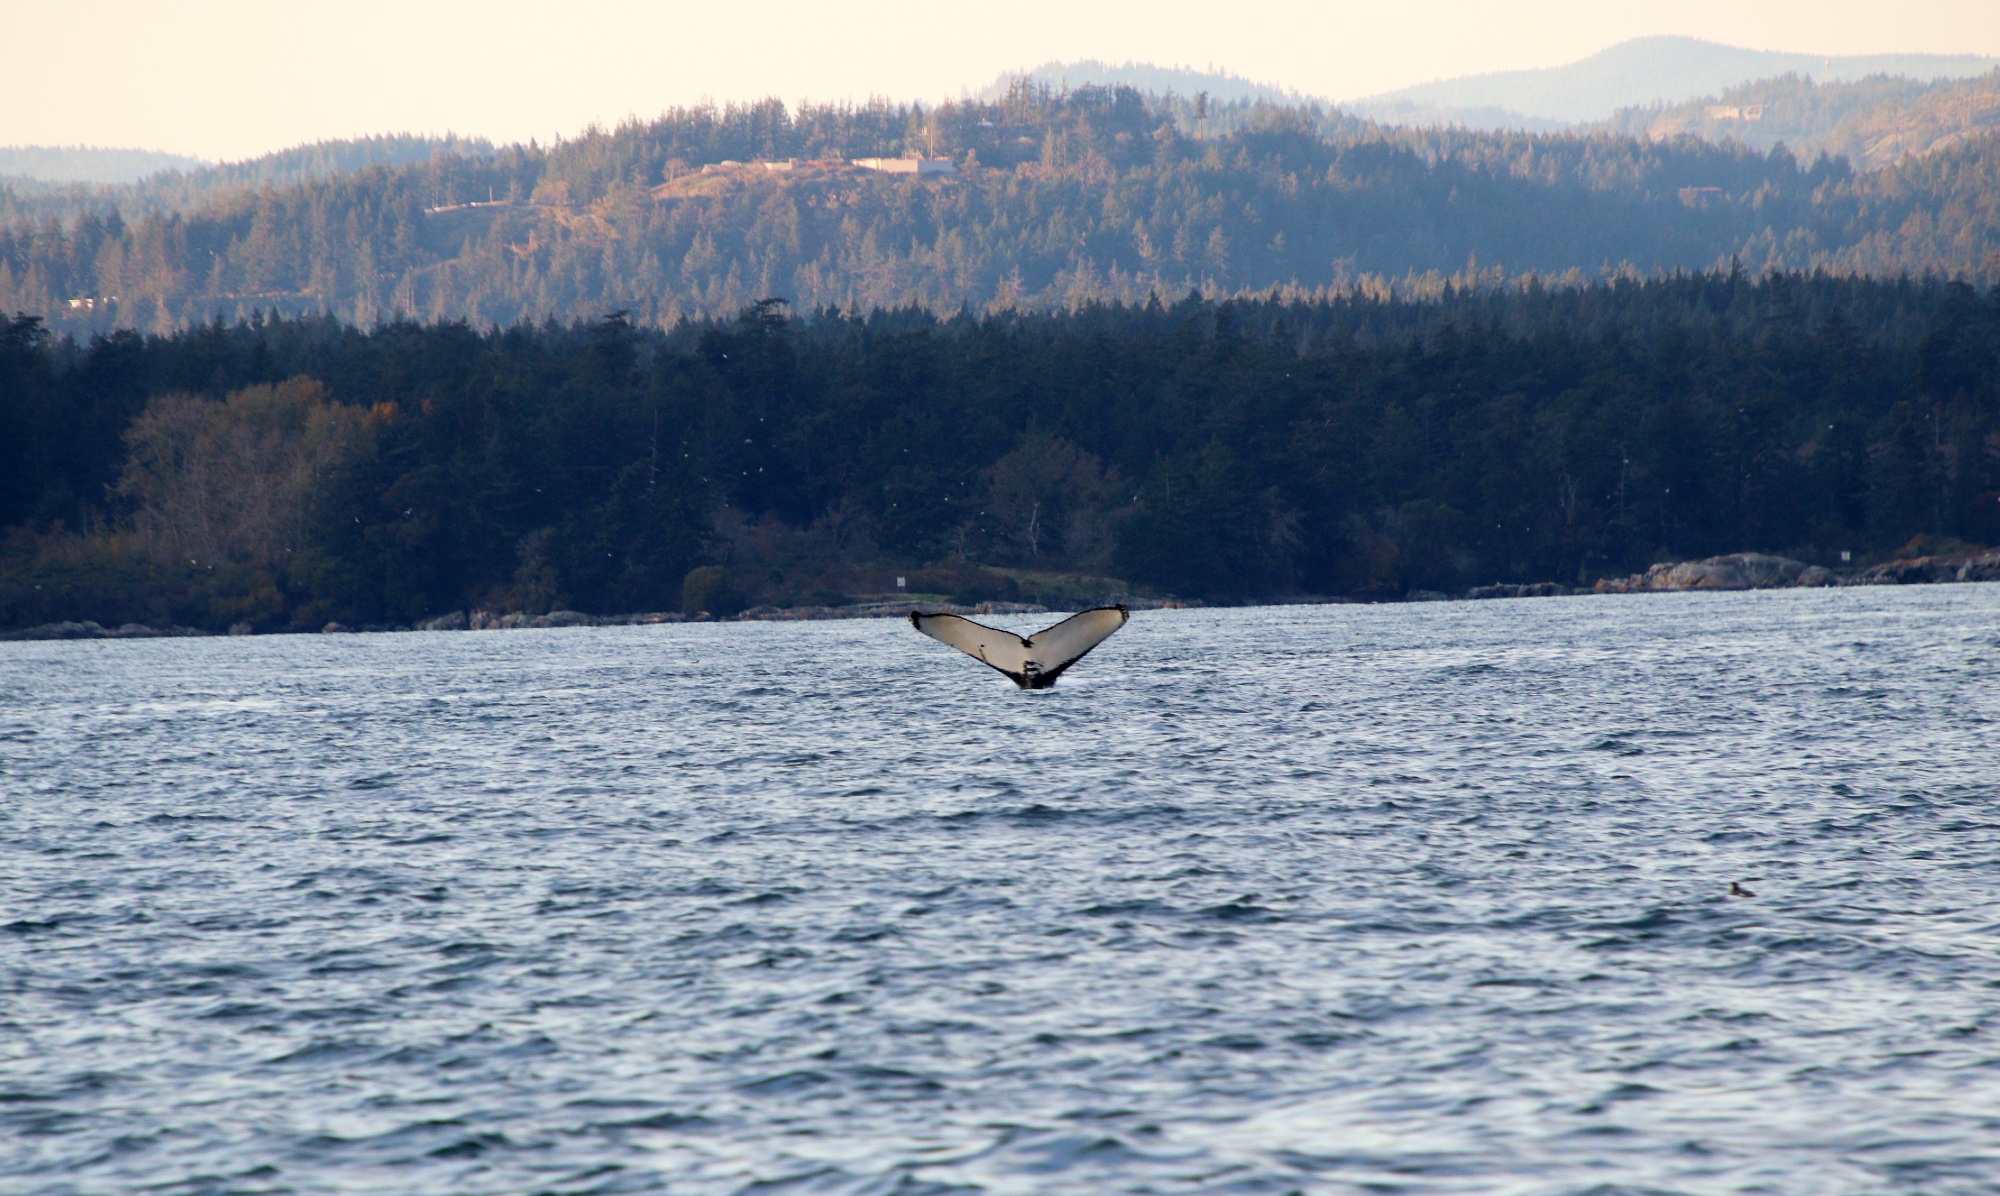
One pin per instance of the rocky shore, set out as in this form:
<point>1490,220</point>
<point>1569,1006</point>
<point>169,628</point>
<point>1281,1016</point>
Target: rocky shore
<point>87,630</point>
<point>1922,570</point>
<point>486,620</point>
<point>1735,571</point>
<point>1754,571</point>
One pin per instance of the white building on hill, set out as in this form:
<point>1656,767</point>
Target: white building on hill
<point>917,166</point>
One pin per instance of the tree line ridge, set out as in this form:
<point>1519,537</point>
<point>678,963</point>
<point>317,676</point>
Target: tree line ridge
<point>1060,199</point>
<point>289,472</point>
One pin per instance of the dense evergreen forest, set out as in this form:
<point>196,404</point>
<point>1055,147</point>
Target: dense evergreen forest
<point>1058,199</point>
<point>284,472</point>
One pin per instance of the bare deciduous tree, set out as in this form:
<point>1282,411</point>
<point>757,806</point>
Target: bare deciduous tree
<point>233,481</point>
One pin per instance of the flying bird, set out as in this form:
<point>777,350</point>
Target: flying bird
<point>1031,663</point>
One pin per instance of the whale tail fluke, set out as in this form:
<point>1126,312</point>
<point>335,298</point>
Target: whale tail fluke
<point>1031,663</point>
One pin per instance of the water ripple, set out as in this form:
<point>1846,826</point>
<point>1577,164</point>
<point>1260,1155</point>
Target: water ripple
<point>1421,899</point>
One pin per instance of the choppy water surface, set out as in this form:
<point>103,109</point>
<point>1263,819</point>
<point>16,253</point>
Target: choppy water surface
<point>1365,899</point>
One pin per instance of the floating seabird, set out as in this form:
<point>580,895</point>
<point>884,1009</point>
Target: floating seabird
<point>1736,890</point>
<point>1031,663</point>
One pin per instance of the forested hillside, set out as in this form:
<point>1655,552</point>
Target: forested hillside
<point>283,473</point>
<point>1058,199</point>
<point>1872,122</point>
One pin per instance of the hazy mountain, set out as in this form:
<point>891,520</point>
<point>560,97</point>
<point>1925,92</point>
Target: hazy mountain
<point>1144,76</point>
<point>1627,86</point>
<point>1871,122</point>
<point>321,160</point>
<point>87,164</point>
<point>1639,72</point>
<point>184,187</point>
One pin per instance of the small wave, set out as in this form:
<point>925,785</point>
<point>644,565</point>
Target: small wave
<point>471,1147</point>
<point>788,1083</point>
<point>1051,1154</point>
<point>1619,747</point>
<point>678,1122</point>
<point>322,1049</point>
<point>1651,920</point>
<point>238,1010</point>
<point>1127,909</point>
<point>891,1079</point>
<point>1242,909</point>
<point>1235,1042</point>
<point>862,934</point>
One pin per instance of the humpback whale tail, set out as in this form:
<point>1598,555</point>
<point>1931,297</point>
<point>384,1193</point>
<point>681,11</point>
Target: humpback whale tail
<point>1034,662</point>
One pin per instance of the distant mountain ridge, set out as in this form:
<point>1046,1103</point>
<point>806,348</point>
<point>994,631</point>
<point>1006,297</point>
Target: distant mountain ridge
<point>324,159</point>
<point>1144,76</point>
<point>1060,195</point>
<point>1643,73</point>
<point>1872,122</point>
<point>1636,73</point>
<point>1057,200</point>
<point>89,164</point>
<point>181,188</point>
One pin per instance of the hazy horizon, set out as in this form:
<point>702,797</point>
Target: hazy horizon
<point>231,81</point>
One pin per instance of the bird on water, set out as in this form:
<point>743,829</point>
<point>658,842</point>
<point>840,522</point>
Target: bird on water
<point>1737,890</point>
<point>1031,662</point>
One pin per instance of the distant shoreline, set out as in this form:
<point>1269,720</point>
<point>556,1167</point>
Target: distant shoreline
<point>1727,574</point>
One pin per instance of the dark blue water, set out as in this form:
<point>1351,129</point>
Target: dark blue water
<point>1424,899</point>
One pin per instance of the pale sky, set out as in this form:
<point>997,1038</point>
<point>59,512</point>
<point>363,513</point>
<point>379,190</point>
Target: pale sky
<point>230,80</point>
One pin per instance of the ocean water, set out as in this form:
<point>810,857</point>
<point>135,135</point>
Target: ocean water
<point>1397,899</point>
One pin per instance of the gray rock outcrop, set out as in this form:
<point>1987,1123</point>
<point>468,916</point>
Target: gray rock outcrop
<point>85,630</point>
<point>1735,571</point>
<point>1922,570</point>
